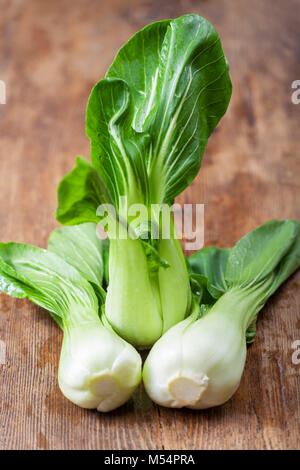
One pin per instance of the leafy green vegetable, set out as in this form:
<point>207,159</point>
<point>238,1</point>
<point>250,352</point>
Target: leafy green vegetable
<point>97,368</point>
<point>178,77</point>
<point>81,247</point>
<point>257,254</point>
<point>117,151</point>
<point>81,192</point>
<point>207,272</point>
<point>46,280</point>
<point>148,123</point>
<point>208,353</point>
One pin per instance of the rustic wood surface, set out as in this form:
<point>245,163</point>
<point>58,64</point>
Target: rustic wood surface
<point>51,53</point>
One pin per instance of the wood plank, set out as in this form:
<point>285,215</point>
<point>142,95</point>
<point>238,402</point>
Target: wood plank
<point>51,54</point>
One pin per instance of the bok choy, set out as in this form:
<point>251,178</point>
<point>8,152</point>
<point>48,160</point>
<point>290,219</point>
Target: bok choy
<point>199,362</point>
<point>97,368</point>
<point>81,247</point>
<point>148,123</point>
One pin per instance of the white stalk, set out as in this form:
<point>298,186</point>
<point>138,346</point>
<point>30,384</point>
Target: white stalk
<point>97,368</point>
<point>198,363</point>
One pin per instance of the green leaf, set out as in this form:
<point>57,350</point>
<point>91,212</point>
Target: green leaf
<point>178,77</point>
<point>251,332</point>
<point>258,253</point>
<point>154,259</point>
<point>117,150</point>
<point>256,266</point>
<point>151,247</point>
<point>79,194</point>
<point>261,261</point>
<point>210,263</point>
<point>149,120</point>
<point>80,247</point>
<point>137,63</point>
<point>48,281</point>
<point>9,286</point>
<point>288,265</point>
<point>200,289</point>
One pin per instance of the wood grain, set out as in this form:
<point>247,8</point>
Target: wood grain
<point>51,54</point>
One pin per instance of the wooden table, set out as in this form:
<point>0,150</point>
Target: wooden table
<point>51,53</point>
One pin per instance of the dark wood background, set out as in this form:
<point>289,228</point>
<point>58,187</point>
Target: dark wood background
<point>51,54</point>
